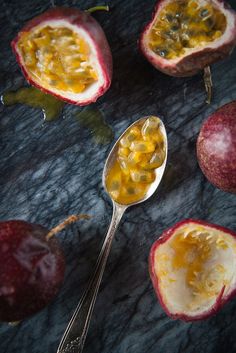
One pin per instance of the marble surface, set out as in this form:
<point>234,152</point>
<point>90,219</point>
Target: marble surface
<point>48,171</point>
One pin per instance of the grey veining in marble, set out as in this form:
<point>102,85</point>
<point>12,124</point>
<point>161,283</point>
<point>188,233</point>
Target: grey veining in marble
<point>48,171</point>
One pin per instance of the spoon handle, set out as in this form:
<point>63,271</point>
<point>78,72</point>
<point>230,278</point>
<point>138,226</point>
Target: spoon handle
<point>74,337</point>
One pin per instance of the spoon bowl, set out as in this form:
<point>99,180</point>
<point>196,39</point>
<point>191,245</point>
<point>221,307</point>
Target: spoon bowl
<point>158,171</point>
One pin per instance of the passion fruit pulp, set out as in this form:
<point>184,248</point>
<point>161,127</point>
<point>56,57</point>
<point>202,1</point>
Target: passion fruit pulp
<point>192,267</point>
<point>186,36</point>
<point>64,52</point>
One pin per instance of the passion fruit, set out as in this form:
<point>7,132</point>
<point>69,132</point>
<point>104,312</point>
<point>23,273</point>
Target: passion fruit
<point>64,52</point>
<point>31,269</point>
<point>186,36</point>
<point>216,148</point>
<point>32,266</point>
<point>192,267</point>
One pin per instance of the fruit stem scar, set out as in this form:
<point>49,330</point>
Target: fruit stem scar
<point>208,83</point>
<point>98,8</point>
<point>65,223</point>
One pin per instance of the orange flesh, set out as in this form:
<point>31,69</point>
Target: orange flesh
<point>57,57</point>
<point>183,25</point>
<point>141,150</point>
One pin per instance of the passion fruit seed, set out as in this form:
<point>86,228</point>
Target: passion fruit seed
<point>142,176</point>
<point>57,57</point>
<point>142,146</point>
<point>184,25</point>
<point>140,152</point>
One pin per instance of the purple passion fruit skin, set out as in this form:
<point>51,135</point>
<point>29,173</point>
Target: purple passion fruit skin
<point>216,148</point>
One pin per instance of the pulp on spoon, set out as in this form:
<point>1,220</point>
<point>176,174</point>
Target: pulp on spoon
<point>139,153</point>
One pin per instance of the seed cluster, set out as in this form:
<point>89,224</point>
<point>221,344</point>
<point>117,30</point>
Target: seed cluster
<point>183,25</point>
<point>141,150</point>
<point>192,251</point>
<point>58,57</point>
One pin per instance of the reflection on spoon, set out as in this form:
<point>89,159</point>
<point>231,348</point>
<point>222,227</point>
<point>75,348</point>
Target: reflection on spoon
<point>143,148</point>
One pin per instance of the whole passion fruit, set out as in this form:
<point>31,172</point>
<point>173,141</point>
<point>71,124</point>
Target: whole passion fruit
<point>186,36</point>
<point>32,266</point>
<point>216,148</point>
<point>31,269</point>
<point>64,52</point>
<point>192,267</point>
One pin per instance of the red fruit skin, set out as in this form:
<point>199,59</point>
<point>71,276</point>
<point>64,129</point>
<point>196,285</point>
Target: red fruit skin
<point>31,269</point>
<point>218,167</point>
<point>191,64</point>
<point>220,301</point>
<point>91,26</point>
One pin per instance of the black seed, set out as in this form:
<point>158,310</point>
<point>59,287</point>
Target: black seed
<point>169,17</point>
<point>163,53</point>
<point>210,23</point>
<point>115,185</point>
<point>185,43</point>
<point>174,28</point>
<point>166,34</point>
<point>204,13</point>
<point>160,51</point>
<point>131,190</point>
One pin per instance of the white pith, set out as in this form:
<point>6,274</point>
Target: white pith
<point>177,295</point>
<point>92,89</point>
<point>226,36</point>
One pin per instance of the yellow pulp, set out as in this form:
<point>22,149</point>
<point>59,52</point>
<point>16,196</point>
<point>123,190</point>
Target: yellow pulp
<point>140,151</point>
<point>57,57</point>
<point>192,250</point>
<point>185,24</point>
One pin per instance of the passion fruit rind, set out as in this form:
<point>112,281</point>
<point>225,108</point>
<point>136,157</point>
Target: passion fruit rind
<point>199,58</point>
<point>93,32</point>
<point>222,297</point>
<point>216,148</point>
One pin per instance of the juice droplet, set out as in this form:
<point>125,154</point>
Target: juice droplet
<point>33,97</point>
<point>93,119</point>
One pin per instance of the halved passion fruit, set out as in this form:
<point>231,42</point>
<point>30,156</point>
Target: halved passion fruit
<point>185,36</point>
<point>192,267</point>
<point>64,52</point>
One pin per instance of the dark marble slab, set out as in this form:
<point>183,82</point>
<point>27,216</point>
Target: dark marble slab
<point>48,171</point>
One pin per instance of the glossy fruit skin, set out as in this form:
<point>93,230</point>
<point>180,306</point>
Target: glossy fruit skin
<point>216,148</point>
<point>190,64</point>
<point>31,269</point>
<point>82,20</point>
<point>168,233</point>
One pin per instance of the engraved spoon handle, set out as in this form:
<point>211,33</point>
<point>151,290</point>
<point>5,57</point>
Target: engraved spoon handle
<point>74,337</point>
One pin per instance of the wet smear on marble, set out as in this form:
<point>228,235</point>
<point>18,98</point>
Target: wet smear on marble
<point>93,119</point>
<point>33,97</point>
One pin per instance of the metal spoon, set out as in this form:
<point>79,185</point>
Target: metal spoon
<point>74,337</point>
